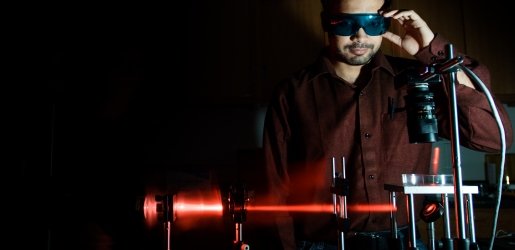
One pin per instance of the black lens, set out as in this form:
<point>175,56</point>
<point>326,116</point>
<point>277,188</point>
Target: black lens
<point>420,107</point>
<point>345,24</point>
<point>345,27</point>
<point>376,25</point>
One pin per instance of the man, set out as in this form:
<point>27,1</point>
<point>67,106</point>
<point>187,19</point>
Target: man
<point>350,103</point>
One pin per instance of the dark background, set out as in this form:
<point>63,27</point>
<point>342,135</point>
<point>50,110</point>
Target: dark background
<point>111,101</point>
<point>106,101</point>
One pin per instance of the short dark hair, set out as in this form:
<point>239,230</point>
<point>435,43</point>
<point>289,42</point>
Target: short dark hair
<point>326,4</point>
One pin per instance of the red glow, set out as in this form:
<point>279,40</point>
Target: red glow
<point>429,209</point>
<point>181,207</point>
<point>206,203</point>
<point>149,210</point>
<point>293,208</point>
<point>376,208</point>
<point>323,208</point>
<point>436,160</point>
<point>187,206</point>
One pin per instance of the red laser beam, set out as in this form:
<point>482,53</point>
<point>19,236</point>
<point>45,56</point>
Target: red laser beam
<point>292,208</point>
<point>323,208</point>
<point>192,207</point>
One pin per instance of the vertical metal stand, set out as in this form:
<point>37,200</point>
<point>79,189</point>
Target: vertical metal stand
<point>472,231</point>
<point>412,245</point>
<point>431,240</point>
<point>237,200</point>
<point>449,70</point>
<point>238,241</point>
<point>168,229</point>
<point>164,210</point>
<point>446,240</point>
<point>340,190</point>
<point>394,241</point>
<point>410,191</point>
<point>451,75</point>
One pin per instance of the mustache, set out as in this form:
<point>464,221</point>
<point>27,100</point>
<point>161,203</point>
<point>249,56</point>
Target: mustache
<point>359,46</point>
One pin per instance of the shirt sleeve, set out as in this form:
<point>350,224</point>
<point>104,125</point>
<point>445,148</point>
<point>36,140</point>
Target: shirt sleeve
<point>478,127</point>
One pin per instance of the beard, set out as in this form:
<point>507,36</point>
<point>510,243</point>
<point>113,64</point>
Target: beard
<point>345,56</point>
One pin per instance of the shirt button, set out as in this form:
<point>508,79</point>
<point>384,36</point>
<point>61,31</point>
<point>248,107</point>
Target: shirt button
<point>367,135</point>
<point>361,93</point>
<point>371,177</point>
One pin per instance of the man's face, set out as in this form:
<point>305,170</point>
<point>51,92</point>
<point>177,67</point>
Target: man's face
<point>348,45</point>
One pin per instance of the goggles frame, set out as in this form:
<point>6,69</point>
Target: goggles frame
<point>348,24</point>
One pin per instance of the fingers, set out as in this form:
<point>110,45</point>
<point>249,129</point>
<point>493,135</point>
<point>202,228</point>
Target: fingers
<point>401,14</point>
<point>406,18</point>
<point>413,25</point>
<point>395,39</point>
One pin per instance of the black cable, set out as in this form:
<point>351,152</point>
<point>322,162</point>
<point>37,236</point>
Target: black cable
<point>491,102</point>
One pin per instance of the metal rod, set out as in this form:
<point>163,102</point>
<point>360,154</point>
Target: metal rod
<point>411,217</point>
<point>446,216</point>
<point>344,176</point>
<point>341,240</point>
<point>334,183</point>
<point>431,235</point>
<point>239,232</point>
<point>340,201</point>
<point>471,219</point>
<point>455,146</point>
<point>393,215</point>
<point>168,226</point>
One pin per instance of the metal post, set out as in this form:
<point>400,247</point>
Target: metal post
<point>393,215</point>
<point>451,77</point>
<point>472,226</point>
<point>340,191</point>
<point>412,226</point>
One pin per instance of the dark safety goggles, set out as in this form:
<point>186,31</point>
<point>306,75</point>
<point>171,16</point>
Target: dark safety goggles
<point>345,24</point>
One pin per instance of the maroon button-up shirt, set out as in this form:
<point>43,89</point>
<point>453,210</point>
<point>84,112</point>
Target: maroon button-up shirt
<point>315,115</point>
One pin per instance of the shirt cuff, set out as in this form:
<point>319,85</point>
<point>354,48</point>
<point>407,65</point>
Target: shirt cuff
<point>434,52</point>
